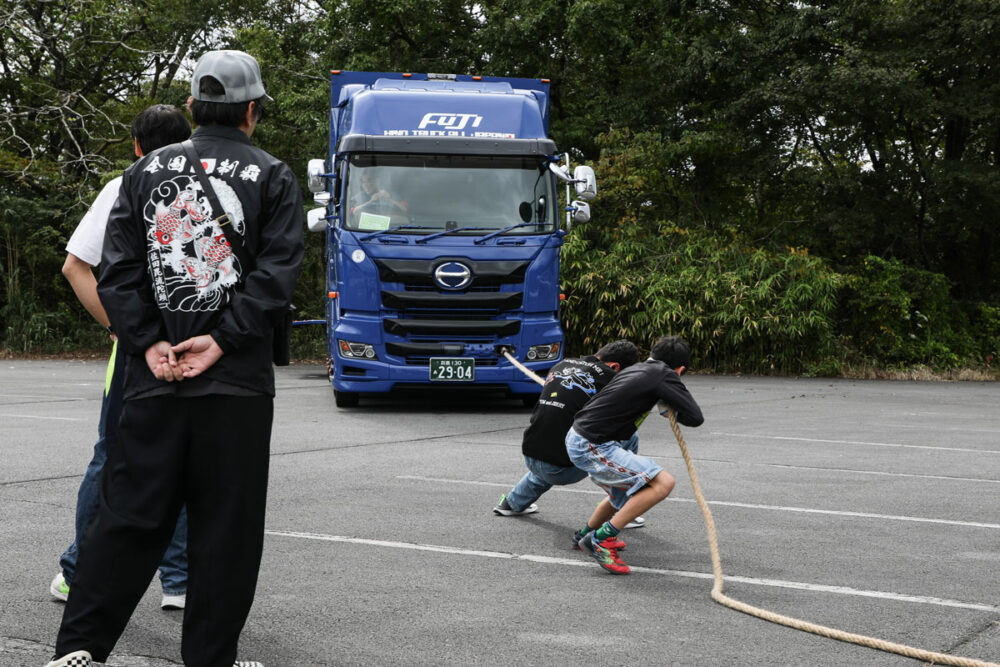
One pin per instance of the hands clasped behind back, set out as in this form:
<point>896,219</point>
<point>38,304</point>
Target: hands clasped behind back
<point>187,359</point>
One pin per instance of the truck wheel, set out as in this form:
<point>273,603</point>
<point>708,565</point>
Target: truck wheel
<point>345,399</point>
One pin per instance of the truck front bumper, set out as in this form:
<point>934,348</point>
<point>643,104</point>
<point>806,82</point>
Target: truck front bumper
<point>377,377</point>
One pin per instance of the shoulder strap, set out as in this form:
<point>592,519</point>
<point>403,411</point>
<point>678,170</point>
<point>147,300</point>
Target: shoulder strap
<point>223,219</point>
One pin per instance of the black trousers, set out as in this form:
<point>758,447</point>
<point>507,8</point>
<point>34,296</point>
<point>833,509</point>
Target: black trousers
<point>211,452</point>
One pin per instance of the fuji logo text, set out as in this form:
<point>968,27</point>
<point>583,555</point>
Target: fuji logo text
<point>450,121</point>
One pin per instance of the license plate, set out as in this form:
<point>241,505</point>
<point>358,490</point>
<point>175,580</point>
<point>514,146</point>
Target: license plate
<point>452,369</point>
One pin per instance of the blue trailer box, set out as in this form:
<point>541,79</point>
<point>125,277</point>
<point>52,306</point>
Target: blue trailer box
<point>443,229</point>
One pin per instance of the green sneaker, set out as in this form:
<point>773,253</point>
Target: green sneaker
<point>59,588</point>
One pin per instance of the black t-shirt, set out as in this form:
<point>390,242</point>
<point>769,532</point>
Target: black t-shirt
<point>569,385</point>
<point>617,412</point>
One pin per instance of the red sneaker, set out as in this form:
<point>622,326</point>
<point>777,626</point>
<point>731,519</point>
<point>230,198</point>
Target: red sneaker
<point>606,558</point>
<point>613,543</point>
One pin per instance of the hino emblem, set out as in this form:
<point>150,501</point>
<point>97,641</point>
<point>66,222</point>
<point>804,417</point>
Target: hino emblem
<point>452,276</point>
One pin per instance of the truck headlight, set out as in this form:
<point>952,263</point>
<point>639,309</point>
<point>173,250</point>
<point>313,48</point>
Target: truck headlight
<point>352,350</point>
<point>543,352</point>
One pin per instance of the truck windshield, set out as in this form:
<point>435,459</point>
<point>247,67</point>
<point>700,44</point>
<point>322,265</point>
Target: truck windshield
<point>463,195</point>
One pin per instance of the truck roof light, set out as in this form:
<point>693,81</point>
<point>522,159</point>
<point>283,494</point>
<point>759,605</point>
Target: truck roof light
<point>476,77</point>
<point>335,71</point>
<point>546,81</point>
<point>562,297</point>
<point>407,75</point>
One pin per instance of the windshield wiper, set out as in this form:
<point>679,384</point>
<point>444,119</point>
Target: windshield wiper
<point>392,229</point>
<point>507,229</point>
<point>425,239</point>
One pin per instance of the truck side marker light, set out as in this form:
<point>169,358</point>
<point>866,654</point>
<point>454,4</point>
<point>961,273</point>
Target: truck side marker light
<point>333,295</point>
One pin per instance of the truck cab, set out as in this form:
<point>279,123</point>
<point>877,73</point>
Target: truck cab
<point>443,229</point>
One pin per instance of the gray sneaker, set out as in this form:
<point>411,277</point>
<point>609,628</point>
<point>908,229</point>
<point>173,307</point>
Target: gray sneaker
<point>503,508</point>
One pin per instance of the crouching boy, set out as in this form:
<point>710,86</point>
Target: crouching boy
<point>603,442</point>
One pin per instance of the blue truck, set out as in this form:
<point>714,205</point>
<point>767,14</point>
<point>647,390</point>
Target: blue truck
<point>440,204</point>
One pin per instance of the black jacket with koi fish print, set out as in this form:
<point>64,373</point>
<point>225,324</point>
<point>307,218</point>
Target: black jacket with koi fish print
<point>168,272</point>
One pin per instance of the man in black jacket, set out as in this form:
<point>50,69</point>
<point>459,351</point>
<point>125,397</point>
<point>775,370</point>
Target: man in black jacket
<point>603,442</point>
<point>568,387</point>
<point>196,324</point>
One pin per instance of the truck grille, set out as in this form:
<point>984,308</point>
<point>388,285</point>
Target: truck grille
<point>424,321</point>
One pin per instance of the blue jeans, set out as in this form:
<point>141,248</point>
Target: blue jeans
<point>173,567</point>
<point>541,477</point>
<point>615,466</point>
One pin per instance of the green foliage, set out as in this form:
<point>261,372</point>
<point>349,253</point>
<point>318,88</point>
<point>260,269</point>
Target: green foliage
<point>725,135</point>
<point>986,330</point>
<point>740,308</point>
<point>904,316</point>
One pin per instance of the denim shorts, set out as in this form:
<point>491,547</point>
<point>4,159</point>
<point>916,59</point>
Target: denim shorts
<point>615,466</point>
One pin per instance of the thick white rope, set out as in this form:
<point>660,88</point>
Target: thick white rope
<point>723,599</point>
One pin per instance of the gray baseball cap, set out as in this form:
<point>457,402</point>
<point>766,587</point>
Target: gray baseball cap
<point>238,72</point>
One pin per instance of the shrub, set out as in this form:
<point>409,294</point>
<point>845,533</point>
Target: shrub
<point>740,308</point>
<point>902,315</point>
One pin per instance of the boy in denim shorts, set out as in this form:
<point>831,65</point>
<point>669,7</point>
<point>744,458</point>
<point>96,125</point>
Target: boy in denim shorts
<point>603,442</point>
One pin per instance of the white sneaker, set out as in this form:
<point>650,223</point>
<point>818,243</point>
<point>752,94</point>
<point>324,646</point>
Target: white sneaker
<point>173,601</point>
<point>637,522</point>
<point>59,588</point>
<point>74,659</point>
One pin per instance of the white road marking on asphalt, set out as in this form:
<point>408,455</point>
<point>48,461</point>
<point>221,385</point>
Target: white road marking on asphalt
<point>551,560</point>
<point>858,442</point>
<point>62,419</point>
<point>937,427</point>
<point>948,478</point>
<point>724,503</point>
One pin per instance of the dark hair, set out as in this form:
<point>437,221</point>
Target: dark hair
<point>158,126</point>
<point>673,351</point>
<point>624,352</point>
<point>229,114</point>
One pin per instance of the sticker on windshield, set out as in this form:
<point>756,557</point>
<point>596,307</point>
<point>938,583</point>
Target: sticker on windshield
<point>370,222</point>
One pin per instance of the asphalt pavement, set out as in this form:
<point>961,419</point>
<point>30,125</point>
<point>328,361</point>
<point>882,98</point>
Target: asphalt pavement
<point>868,506</point>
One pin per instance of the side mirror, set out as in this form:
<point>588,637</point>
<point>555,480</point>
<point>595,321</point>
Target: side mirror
<point>315,179</point>
<point>586,182</point>
<point>559,170</point>
<point>316,220</point>
<point>581,212</point>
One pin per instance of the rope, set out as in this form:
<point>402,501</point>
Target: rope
<point>524,369</point>
<point>723,599</point>
<point>822,630</point>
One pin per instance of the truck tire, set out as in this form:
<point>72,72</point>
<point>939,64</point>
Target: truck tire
<point>345,399</point>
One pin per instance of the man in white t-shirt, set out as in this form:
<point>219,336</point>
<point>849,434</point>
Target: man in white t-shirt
<point>154,127</point>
